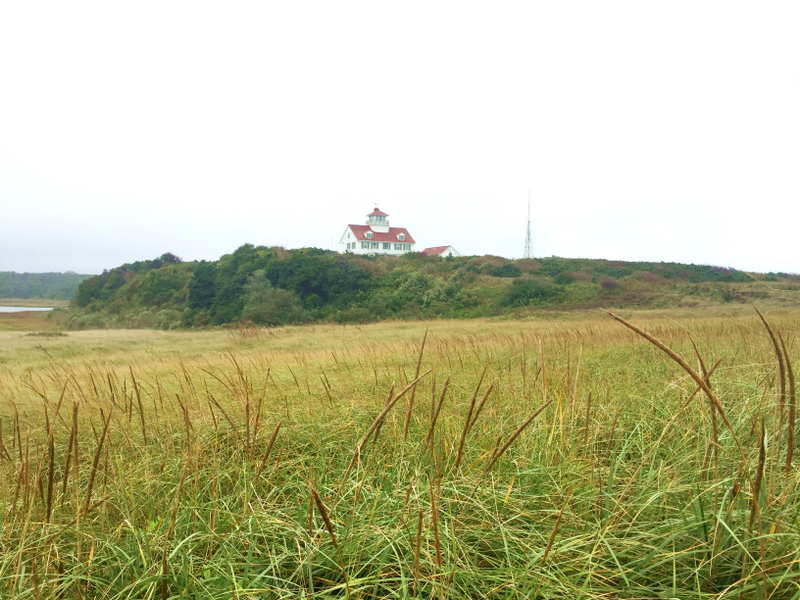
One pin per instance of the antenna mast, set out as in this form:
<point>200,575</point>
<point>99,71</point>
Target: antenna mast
<point>528,243</point>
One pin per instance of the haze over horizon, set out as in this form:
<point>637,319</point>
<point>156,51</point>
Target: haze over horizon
<point>644,132</point>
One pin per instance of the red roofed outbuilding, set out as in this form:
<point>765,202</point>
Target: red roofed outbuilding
<point>443,251</point>
<point>376,237</point>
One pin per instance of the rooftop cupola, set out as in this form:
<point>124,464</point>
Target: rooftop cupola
<point>378,221</point>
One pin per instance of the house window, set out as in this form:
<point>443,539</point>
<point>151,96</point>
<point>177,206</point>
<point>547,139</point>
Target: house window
<point>369,235</point>
<point>375,245</point>
<point>387,246</point>
<point>365,245</point>
<point>398,246</point>
<point>401,237</point>
<point>407,247</point>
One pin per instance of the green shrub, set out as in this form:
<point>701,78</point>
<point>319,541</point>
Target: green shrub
<point>608,283</point>
<point>507,269</point>
<point>527,291</point>
<point>268,305</point>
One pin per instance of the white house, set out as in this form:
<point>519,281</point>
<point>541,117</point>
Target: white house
<point>443,251</point>
<point>376,237</point>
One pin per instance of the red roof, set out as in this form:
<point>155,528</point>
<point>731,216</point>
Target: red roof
<point>360,231</point>
<point>437,250</point>
<point>378,213</point>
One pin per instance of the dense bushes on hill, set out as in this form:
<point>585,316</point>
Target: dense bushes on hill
<point>273,286</point>
<point>103,287</point>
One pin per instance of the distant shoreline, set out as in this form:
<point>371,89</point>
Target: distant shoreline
<point>34,302</point>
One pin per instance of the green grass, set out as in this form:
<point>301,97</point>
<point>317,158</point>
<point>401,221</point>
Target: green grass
<point>638,502</point>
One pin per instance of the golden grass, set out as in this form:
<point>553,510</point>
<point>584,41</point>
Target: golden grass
<point>27,321</point>
<point>164,353</point>
<point>562,455</point>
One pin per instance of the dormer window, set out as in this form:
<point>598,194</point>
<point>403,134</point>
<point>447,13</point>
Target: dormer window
<point>401,237</point>
<point>369,235</point>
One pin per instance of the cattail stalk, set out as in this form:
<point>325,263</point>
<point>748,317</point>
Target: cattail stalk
<point>417,552</point>
<point>378,420</point>
<point>224,414</point>
<point>386,403</point>
<point>3,452</point>
<point>435,413</point>
<point>414,389</point>
<point>95,462</point>
<point>187,426</point>
<point>762,458</point>
<point>172,520</point>
<point>17,429</point>
<point>586,423</point>
<point>468,422</point>
<point>792,409</point>
<point>780,396</point>
<point>326,386</point>
<point>514,435</point>
<point>266,454</point>
<point>51,472</point>
<point>178,493</point>
<point>437,544</point>
<point>311,505</point>
<point>141,406</point>
<point>555,529</point>
<point>692,373</point>
<point>51,451</point>
<point>76,489</point>
<point>481,405</point>
<point>329,526</point>
<point>248,447</point>
<point>257,424</point>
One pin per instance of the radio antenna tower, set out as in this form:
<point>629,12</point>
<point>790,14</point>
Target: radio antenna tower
<point>528,243</point>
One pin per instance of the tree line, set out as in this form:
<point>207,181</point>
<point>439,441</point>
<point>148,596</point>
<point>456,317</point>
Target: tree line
<point>57,286</point>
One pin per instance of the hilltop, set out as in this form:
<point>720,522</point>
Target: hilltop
<point>274,286</point>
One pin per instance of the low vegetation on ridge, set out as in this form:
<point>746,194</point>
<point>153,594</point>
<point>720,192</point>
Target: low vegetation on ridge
<point>274,286</point>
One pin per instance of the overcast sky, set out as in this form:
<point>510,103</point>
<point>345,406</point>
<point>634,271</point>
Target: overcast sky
<point>660,131</point>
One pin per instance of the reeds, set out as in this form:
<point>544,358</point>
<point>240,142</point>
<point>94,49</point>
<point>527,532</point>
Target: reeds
<point>603,500</point>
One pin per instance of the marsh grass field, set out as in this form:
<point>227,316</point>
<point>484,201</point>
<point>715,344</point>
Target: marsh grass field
<point>472,459</point>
